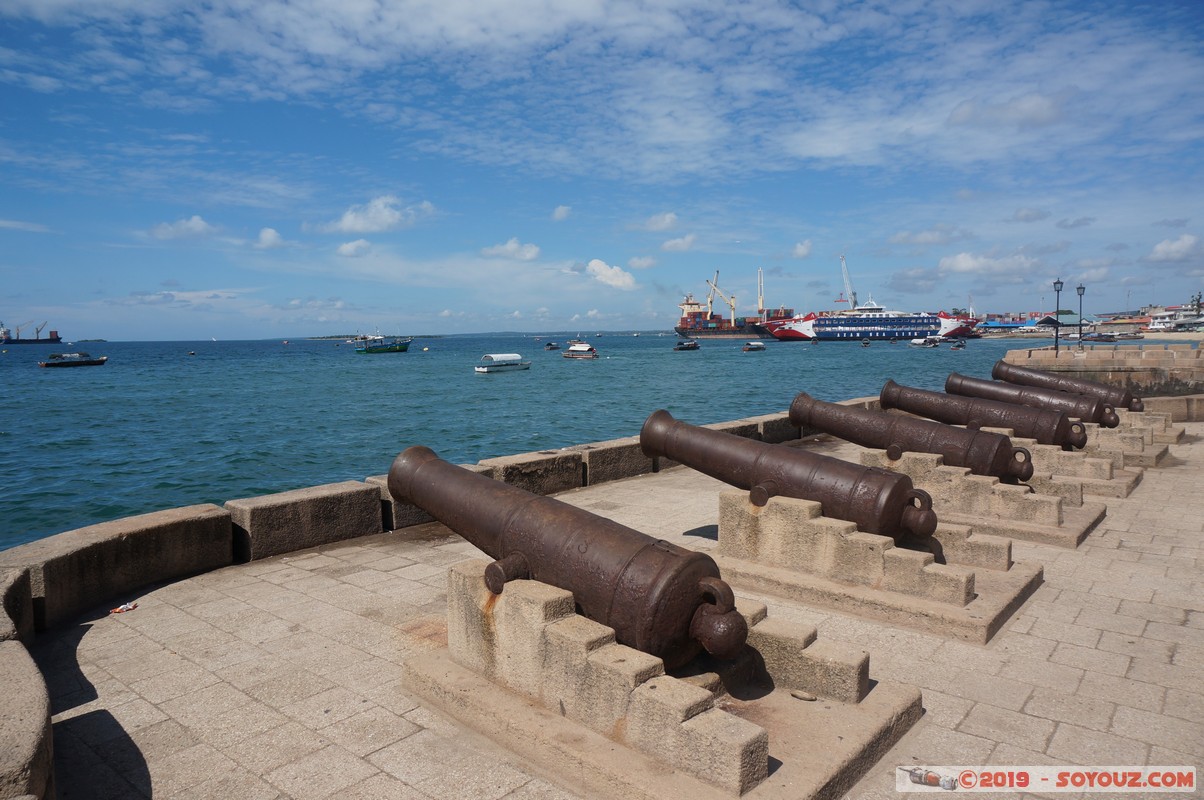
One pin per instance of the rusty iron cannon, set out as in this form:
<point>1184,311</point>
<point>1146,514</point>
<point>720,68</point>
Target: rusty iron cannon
<point>982,452</point>
<point>1117,397</point>
<point>1047,427</point>
<point>1075,406</point>
<point>659,598</point>
<point>877,500</point>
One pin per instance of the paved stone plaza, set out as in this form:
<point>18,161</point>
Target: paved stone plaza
<point>282,678</point>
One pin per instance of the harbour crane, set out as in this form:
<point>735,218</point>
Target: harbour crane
<point>731,301</point>
<point>848,284</point>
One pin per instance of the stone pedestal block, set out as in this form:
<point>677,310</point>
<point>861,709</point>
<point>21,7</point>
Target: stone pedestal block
<point>272,524</point>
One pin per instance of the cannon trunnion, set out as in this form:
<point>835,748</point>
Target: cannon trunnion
<point>982,452</point>
<point>877,500</point>
<point>662,599</point>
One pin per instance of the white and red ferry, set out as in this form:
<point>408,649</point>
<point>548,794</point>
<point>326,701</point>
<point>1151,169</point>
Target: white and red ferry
<point>869,321</point>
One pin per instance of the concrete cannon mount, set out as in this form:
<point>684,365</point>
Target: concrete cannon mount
<point>790,718</point>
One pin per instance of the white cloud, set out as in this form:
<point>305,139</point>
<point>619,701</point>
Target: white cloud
<point>1029,215</point>
<point>611,276</point>
<point>193,227</point>
<point>28,227</point>
<point>1010,267</point>
<point>512,249</point>
<point>1181,249</point>
<point>660,222</point>
<point>268,239</point>
<point>679,245</point>
<point>561,213</point>
<point>801,249</point>
<point>354,249</point>
<point>641,262</point>
<point>380,214</point>
<point>936,235</point>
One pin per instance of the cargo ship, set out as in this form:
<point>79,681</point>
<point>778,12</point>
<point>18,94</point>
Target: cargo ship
<point>7,337</point>
<point>869,321</point>
<point>701,322</point>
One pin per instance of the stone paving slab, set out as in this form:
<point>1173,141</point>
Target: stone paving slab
<point>281,678</point>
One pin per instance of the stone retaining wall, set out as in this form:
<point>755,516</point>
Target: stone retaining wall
<point>1161,370</point>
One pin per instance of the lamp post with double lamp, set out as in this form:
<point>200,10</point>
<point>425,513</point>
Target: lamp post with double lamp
<point>1057,311</point>
<point>1080,289</point>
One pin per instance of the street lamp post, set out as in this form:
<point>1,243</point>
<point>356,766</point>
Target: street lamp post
<point>1057,308</point>
<point>1080,289</point>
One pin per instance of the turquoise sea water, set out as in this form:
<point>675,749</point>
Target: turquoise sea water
<point>168,424</point>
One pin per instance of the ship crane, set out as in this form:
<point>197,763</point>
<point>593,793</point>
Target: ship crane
<point>848,285</point>
<point>21,327</point>
<point>38,335</point>
<point>731,301</point>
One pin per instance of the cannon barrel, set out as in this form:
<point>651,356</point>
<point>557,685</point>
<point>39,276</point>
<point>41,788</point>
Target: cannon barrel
<point>982,452</point>
<point>877,500</point>
<point>1047,427</point>
<point>1117,397</point>
<point>1076,406</point>
<point>659,598</point>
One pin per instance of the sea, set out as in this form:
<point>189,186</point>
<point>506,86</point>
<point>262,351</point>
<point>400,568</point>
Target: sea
<point>170,424</point>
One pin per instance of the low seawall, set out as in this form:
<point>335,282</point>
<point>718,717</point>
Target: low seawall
<point>1147,370</point>
<point>54,581</point>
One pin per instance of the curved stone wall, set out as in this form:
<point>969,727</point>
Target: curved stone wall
<point>48,582</point>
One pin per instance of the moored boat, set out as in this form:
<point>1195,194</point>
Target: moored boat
<point>383,344</point>
<point>926,341</point>
<point>580,350</point>
<point>502,362</point>
<point>753,346</point>
<point>73,360</point>
<point>551,346</point>
<point>686,344</point>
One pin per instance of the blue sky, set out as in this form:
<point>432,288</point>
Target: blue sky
<point>239,169</point>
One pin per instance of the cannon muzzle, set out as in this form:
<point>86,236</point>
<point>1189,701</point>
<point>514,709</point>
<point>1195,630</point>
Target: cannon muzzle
<point>1044,425</point>
<point>982,452</point>
<point>877,500</point>
<point>1114,395</point>
<point>659,598</point>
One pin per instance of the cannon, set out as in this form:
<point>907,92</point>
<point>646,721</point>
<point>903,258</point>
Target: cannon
<point>1075,406</point>
<point>982,452</point>
<point>662,599</point>
<point>877,500</point>
<point>1047,427</point>
<point>1117,397</point>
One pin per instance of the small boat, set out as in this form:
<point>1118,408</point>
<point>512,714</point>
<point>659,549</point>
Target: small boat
<point>960,344</point>
<point>753,346</point>
<point>1130,336</point>
<point>580,350</point>
<point>383,344</point>
<point>73,360</point>
<point>501,362</point>
<point>552,346</point>
<point>927,341</point>
<point>1098,337</point>
<point>865,342</point>
<point>686,344</point>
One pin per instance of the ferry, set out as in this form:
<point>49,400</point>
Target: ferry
<point>870,321</point>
